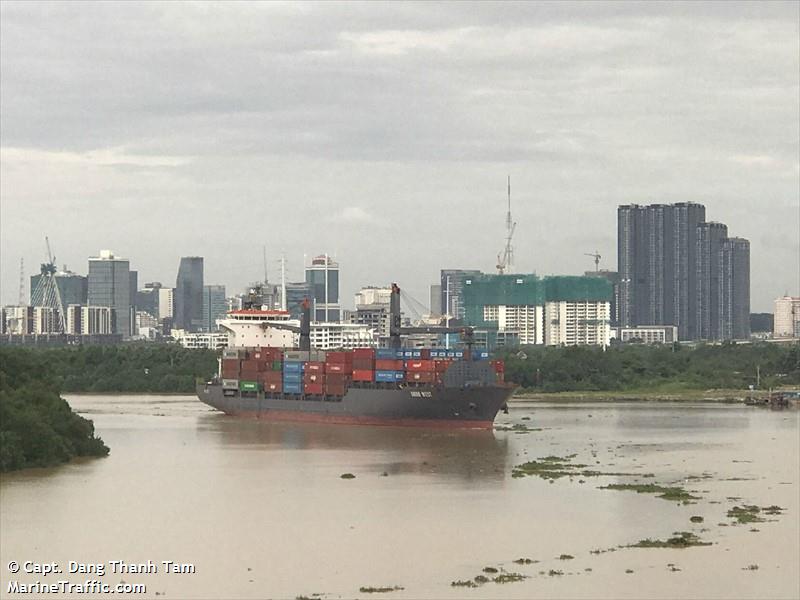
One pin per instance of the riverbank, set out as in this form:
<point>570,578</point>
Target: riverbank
<point>731,396</point>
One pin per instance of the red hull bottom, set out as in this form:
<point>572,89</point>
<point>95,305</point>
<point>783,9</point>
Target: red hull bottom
<point>301,417</point>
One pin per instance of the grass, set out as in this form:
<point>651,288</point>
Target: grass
<point>675,494</point>
<point>509,577</point>
<point>683,539</point>
<point>566,557</point>
<point>464,583</point>
<point>525,561</point>
<point>696,519</point>
<point>347,476</point>
<point>748,513</point>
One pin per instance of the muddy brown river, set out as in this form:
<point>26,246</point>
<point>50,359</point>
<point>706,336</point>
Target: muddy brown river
<point>247,509</point>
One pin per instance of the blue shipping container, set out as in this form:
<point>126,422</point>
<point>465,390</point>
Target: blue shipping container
<point>292,388</point>
<point>480,354</point>
<point>389,376</point>
<point>385,353</point>
<point>292,378</point>
<point>291,366</point>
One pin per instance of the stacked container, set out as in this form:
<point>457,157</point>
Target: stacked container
<point>363,364</point>
<point>338,372</point>
<point>292,376</point>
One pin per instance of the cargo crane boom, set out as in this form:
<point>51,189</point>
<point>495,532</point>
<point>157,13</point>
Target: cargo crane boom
<point>597,257</point>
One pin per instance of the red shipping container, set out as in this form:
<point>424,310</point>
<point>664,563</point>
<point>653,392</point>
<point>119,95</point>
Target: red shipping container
<point>499,366</point>
<point>338,368</point>
<point>314,378</point>
<point>364,353</point>
<point>337,378</point>
<point>248,373</point>
<point>314,388</point>
<point>315,367</point>
<point>388,365</point>
<point>274,387</point>
<point>441,365</point>
<point>270,377</point>
<point>419,365</point>
<point>342,358</point>
<point>420,376</point>
<point>335,389</point>
<point>364,364</point>
<point>363,375</point>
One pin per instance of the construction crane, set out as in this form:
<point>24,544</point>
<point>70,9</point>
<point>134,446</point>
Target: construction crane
<point>505,259</point>
<point>47,294</point>
<point>597,257</point>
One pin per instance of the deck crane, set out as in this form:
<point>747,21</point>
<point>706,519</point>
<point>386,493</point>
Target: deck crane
<point>597,257</point>
<point>505,259</point>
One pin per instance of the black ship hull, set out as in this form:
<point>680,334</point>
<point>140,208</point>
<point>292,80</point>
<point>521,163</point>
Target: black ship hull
<point>469,407</point>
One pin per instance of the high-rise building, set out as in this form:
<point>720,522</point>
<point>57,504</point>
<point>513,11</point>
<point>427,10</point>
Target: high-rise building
<point>72,288</point>
<point>735,289</point>
<point>436,300</point>
<point>215,306</point>
<point>657,264</point>
<point>166,303</point>
<point>710,239</point>
<point>613,278</point>
<point>452,282</point>
<point>553,310</point>
<point>787,317</point>
<point>109,285</point>
<point>372,309</point>
<point>147,299</point>
<point>189,294</point>
<point>323,275</point>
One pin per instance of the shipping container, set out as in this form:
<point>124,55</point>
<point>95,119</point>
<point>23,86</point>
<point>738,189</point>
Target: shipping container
<point>275,387</point>
<point>420,365</point>
<point>292,388</point>
<point>499,366</point>
<point>389,376</point>
<point>364,364</point>
<point>420,376</point>
<point>314,367</point>
<point>314,378</point>
<point>388,364</point>
<point>363,353</point>
<point>249,386</point>
<point>387,353</point>
<point>292,367</point>
<point>455,354</point>
<point>480,354</point>
<point>425,353</point>
<point>277,365</point>
<point>344,358</point>
<point>231,353</point>
<point>440,366</point>
<point>363,375</point>
<point>270,377</point>
<point>292,378</point>
<point>314,388</point>
<point>230,384</point>
<point>338,368</point>
<point>337,378</point>
<point>335,389</point>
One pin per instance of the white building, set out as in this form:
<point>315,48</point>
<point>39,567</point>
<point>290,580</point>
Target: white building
<point>373,295</point>
<point>648,334</point>
<point>334,336</point>
<point>45,320</point>
<point>166,303</point>
<point>19,320</point>
<point>577,323</point>
<point>97,320</point>
<point>787,317</point>
<point>214,340</point>
<point>527,320</point>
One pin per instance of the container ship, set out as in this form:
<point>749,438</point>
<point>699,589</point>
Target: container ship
<point>427,387</point>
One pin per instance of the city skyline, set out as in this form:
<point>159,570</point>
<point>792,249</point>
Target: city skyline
<point>389,141</point>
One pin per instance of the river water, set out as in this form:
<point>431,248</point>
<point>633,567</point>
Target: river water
<point>260,511</point>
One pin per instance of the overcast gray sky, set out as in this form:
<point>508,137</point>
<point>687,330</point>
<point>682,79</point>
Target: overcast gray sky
<point>383,134</point>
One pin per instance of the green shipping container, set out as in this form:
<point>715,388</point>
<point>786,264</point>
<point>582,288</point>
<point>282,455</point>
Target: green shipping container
<point>249,386</point>
<point>277,366</point>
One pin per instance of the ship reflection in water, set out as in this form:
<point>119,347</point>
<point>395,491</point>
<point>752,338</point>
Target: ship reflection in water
<point>464,454</point>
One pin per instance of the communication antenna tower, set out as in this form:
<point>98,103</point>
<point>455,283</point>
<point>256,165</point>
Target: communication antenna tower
<point>505,260</point>
<point>22,282</point>
<point>47,293</point>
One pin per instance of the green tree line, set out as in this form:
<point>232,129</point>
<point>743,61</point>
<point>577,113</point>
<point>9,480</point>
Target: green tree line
<point>132,368</point>
<point>37,427</point>
<point>634,367</point>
